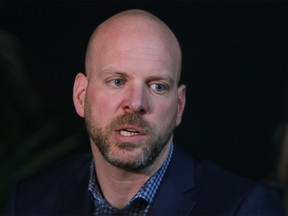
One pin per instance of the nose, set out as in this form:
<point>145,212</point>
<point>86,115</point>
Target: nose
<point>136,100</point>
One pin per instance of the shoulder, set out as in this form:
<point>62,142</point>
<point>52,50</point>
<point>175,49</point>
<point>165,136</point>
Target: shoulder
<point>205,172</point>
<point>243,195</point>
<point>42,192</point>
<point>75,167</point>
<point>216,190</point>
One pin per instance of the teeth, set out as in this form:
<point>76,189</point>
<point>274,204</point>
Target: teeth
<point>128,133</point>
<point>131,130</point>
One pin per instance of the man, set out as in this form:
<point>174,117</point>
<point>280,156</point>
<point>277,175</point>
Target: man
<point>131,101</point>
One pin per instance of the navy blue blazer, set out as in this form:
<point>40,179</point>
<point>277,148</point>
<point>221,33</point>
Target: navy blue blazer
<point>190,186</point>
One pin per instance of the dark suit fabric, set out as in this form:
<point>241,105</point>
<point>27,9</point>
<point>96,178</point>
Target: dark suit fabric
<point>190,187</point>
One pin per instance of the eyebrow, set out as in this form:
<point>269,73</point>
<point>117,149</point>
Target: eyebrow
<point>108,72</point>
<point>150,78</point>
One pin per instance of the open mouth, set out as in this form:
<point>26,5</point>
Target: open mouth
<point>129,132</point>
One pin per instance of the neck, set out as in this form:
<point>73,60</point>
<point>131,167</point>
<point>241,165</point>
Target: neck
<point>120,186</point>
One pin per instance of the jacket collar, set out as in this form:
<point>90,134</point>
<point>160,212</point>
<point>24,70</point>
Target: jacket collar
<point>174,196</point>
<point>75,199</point>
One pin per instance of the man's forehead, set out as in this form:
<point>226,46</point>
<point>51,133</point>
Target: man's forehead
<point>134,22</point>
<point>134,29</point>
<point>131,17</point>
<point>129,26</point>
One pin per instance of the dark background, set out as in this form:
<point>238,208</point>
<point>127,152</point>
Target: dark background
<point>234,64</point>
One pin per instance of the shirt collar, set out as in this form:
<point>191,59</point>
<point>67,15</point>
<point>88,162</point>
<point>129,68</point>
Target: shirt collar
<point>149,189</point>
<point>146,192</point>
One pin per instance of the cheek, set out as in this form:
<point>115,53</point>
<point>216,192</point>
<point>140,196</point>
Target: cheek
<point>94,104</point>
<point>166,113</point>
<point>101,105</point>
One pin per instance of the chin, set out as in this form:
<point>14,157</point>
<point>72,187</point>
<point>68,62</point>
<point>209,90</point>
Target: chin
<point>129,160</point>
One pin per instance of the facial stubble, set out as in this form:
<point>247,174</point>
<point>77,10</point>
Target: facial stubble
<point>151,146</point>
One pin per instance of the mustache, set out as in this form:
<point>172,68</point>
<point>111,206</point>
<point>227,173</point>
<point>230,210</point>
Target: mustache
<point>135,119</point>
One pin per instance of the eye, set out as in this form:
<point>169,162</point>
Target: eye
<point>117,82</point>
<point>159,88</point>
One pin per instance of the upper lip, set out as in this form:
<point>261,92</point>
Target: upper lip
<point>132,127</point>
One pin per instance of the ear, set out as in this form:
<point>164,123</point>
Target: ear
<point>181,103</point>
<point>79,93</point>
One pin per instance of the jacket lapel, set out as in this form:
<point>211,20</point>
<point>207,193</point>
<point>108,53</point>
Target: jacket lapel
<point>75,202</point>
<point>75,199</point>
<point>175,194</point>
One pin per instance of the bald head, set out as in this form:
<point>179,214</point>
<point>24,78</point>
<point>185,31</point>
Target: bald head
<point>130,97</point>
<point>134,29</point>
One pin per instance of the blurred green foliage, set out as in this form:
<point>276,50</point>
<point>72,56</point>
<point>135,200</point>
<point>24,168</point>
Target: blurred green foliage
<point>31,137</point>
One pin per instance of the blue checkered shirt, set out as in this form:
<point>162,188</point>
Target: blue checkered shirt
<point>139,205</point>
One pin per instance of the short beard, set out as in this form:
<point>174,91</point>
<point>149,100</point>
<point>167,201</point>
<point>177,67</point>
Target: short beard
<point>150,149</point>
